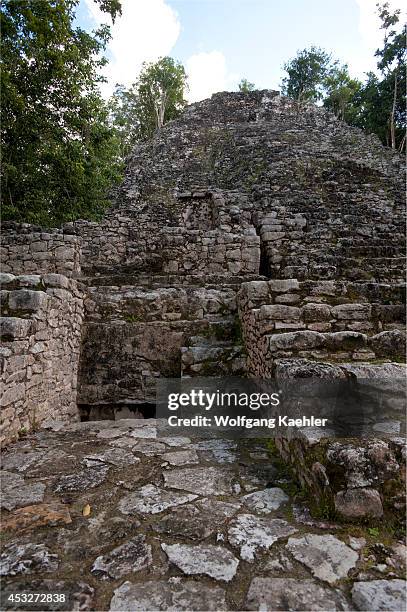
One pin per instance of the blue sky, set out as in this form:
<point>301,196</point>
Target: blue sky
<point>222,41</point>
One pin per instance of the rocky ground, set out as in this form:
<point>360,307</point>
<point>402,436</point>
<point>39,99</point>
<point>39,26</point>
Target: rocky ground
<point>116,518</point>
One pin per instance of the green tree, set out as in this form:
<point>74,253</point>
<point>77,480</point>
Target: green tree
<point>306,75</point>
<point>340,91</point>
<point>381,103</point>
<point>124,109</point>
<point>160,92</point>
<point>392,64</point>
<point>139,111</point>
<point>245,86</point>
<point>59,154</point>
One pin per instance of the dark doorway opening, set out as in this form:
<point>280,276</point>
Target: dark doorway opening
<point>115,412</point>
<point>264,269</point>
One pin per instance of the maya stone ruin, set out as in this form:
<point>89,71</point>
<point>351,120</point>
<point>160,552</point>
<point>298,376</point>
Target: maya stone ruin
<point>251,237</point>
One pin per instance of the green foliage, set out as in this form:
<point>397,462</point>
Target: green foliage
<point>59,154</point>
<point>245,86</point>
<point>125,116</point>
<point>373,531</point>
<point>340,92</point>
<point>161,86</point>
<point>381,103</point>
<point>157,97</point>
<point>306,75</point>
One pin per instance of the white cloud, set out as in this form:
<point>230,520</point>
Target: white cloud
<point>207,74</point>
<point>372,35</point>
<point>146,30</point>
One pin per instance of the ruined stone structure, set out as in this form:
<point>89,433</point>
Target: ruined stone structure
<point>250,237</point>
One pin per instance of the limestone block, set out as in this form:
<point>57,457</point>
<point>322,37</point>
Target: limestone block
<point>284,285</point>
<point>13,327</point>
<point>27,300</point>
<point>56,280</point>
<point>354,312</point>
<point>316,312</point>
<point>380,595</point>
<point>38,246</point>
<point>6,279</point>
<point>271,236</point>
<point>13,394</point>
<point>287,298</point>
<point>359,503</point>
<point>389,343</point>
<point>280,312</point>
<point>63,252</point>
<point>345,340</point>
<point>28,280</point>
<point>295,341</point>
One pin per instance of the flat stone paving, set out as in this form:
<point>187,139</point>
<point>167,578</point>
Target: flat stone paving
<point>118,519</point>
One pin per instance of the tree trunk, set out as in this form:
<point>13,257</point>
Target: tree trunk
<point>393,112</point>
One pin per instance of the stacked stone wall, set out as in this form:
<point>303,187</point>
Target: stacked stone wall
<point>134,335</point>
<point>326,321</point>
<point>40,333</point>
<point>27,249</point>
<point>241,189</point>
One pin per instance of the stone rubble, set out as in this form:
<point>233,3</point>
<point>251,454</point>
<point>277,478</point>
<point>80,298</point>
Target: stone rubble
<point>251,237</point>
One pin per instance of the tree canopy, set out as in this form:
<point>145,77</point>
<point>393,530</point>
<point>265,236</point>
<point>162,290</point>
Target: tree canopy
<point>156,97</point>
<point>378,105</point>
<point>63,146</point>
<point>245,86</point>
<point>59,154</point>
<point>306,75</point>
<point>382,100</point>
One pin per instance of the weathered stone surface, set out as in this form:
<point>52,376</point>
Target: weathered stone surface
<point>144,432</point>
<point>303,368</point>
<point>152,500</point>
<point>264,502</point>
<point>181,457</point>
<point>171,595</point>
<point>214,561</point>
<point>389,343</point>
<point>26,559</point>
<point>144,447</point>
<point>197,521</point>
<point>386,595</point>
<point>359,503</point>
<point>16,492</point>
<point>20,462</point>
<point>203,481</point>
<point>132,556</point>
<point>113,456</point>
<point>31,517</point>
<point>27,300</point>
<point>293,594</point>
<point>222,450</point>
<point>252,534</point>
<point>364,463</point>
<point>300,340</point>
<point>82,481</point>
<point>175,441</point>
<point>355,312</point>
<point>328,558</point>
